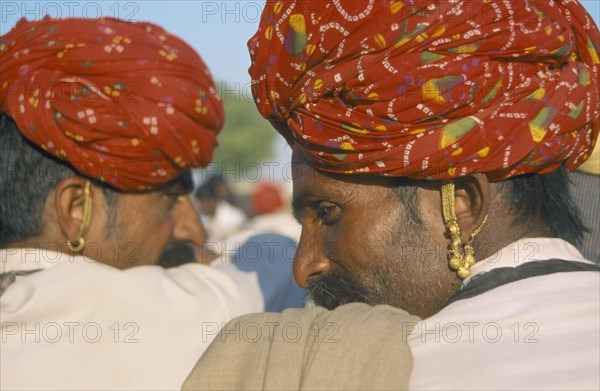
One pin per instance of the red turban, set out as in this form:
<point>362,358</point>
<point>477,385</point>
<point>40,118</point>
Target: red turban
<point>431,89</point>
<point>266,198</point>
<point>125,103</point>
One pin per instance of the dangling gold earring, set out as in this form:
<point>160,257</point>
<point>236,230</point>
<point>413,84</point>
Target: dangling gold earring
<point>77,246</point>
<point>469,258</point>
<point>457,260</point>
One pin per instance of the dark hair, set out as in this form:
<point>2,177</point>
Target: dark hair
<point>27,176</point>
<point>544,202</point>
<point>407,190</point>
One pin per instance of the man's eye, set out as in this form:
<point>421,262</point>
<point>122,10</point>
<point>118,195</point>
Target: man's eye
<point>328,213</point>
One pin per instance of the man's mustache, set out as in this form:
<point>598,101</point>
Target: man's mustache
<point>177,253</point>
<point>338,288</point>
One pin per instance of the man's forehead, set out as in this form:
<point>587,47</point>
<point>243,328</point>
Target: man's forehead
<point>303,170</point>
<point>298,156</point>
<point>304,173</point>
<point>312,184</point>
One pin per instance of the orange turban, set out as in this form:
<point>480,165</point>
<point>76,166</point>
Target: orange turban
<point>125,103</point>
<point>431,89</point>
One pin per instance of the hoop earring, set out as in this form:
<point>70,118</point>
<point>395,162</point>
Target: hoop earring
<point>78,245</point>
<point>460,256</point>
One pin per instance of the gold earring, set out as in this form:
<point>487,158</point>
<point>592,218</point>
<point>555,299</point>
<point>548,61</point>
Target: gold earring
<point>469,258</point>
<point>459,260</point>
<point>77,246</point>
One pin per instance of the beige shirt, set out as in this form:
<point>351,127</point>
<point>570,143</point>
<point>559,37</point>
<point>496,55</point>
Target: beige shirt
<point>354,347</point>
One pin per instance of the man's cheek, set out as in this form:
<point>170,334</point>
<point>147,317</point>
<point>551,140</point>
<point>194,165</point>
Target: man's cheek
<point>335,241</point>
<point>127,252</point>
<point>331,248</point>
<point>409,250</point>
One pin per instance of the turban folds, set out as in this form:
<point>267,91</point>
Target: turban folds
<point>125,103</point>
<point>431,89</point>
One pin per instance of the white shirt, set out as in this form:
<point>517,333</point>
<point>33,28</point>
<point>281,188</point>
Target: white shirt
<point>79,324</point>
<point>539,333</point>
<point>228,220</point>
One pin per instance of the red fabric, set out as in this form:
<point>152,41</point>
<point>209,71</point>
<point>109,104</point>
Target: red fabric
<point>266,198</point>
<point>125,103</point>
<point>431,89</point>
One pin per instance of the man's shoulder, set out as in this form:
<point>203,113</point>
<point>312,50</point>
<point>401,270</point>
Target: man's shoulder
<point>84,278</point>
<point>353,314</point>
<point>295,350</point>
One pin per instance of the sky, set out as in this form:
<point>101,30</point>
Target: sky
<point>218,30</point>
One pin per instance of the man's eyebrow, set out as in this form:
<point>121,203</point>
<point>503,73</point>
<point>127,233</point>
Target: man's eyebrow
<point>298,204</point>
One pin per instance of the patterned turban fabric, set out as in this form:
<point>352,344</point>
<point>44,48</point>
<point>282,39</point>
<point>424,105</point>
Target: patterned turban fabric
<point>431,89</point>
<point>124,103</point>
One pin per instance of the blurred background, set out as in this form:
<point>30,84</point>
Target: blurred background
<point>250,152</point>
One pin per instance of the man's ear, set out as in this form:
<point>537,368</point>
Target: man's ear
<point>69,202</point>
<point>472,202</point>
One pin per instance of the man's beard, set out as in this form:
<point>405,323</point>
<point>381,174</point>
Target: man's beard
<point>177,253</point>
<point>338,288</point>
<point>378,283</point>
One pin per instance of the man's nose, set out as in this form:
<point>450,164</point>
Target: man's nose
<point>188,227</point>
<point>309,262</point>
